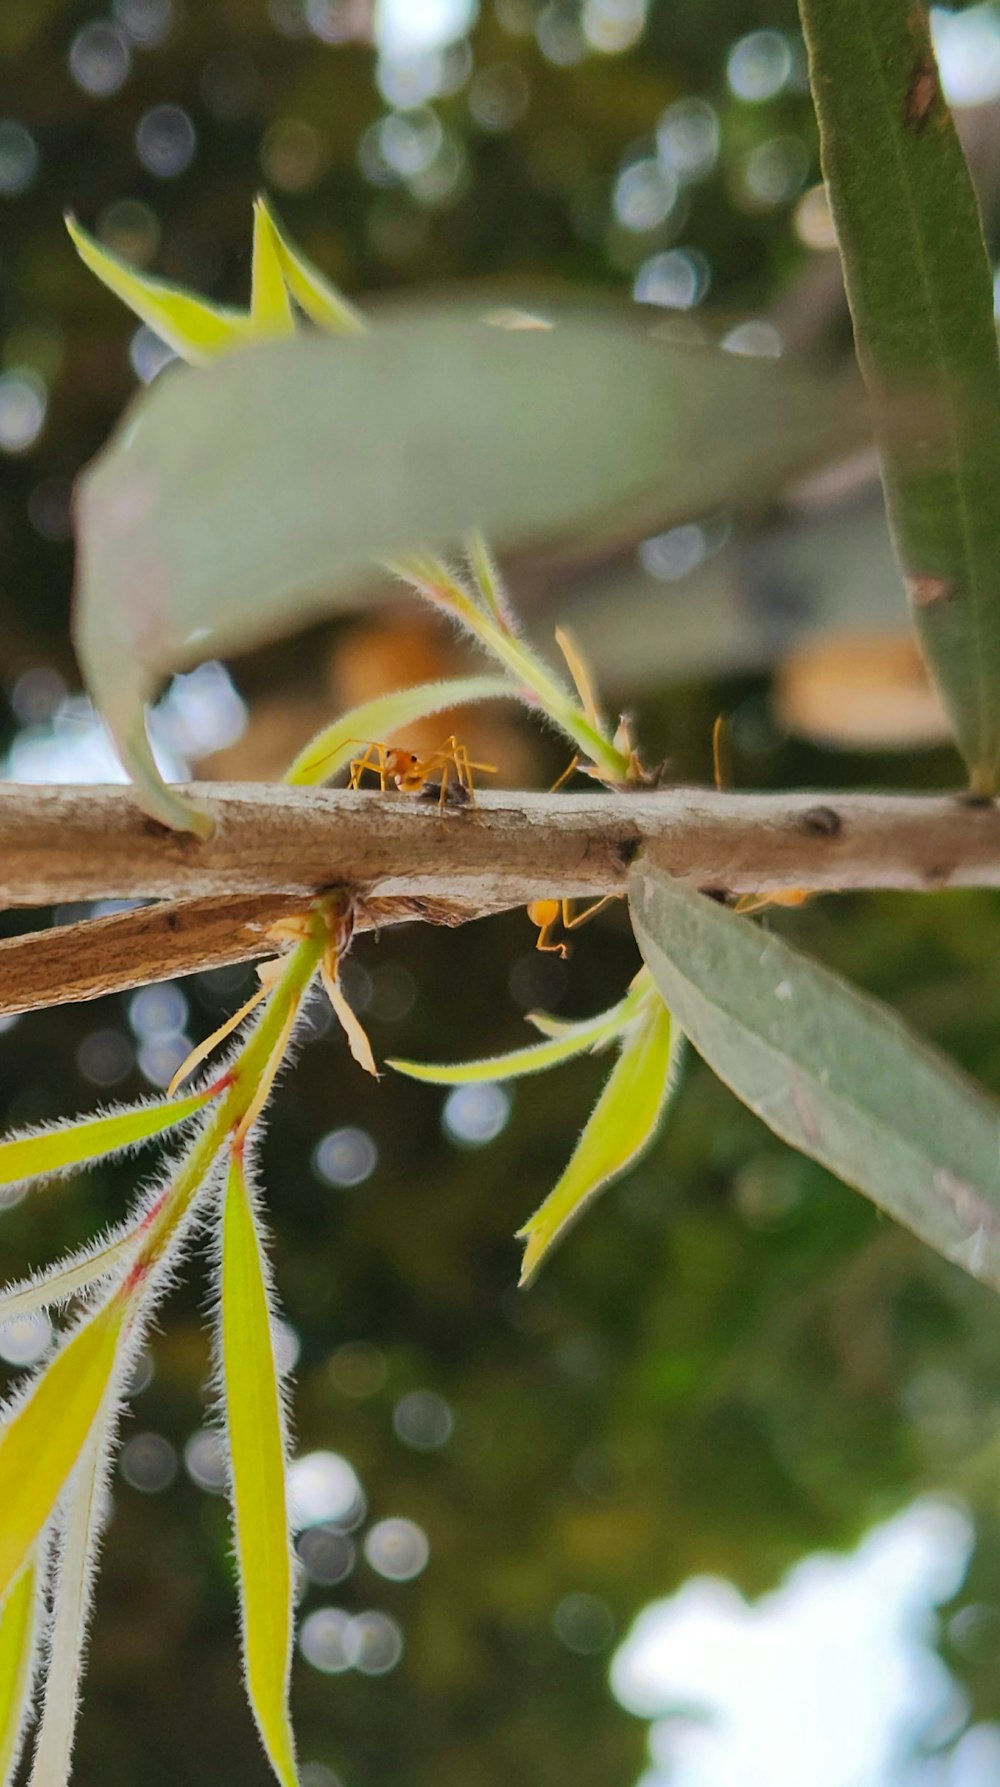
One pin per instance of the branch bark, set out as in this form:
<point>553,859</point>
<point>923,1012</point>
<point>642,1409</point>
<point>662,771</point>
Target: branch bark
<point>68,844</point>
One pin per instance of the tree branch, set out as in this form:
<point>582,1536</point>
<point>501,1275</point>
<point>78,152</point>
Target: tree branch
<point>61,844</point>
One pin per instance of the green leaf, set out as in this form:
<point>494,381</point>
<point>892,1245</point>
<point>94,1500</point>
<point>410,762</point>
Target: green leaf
<point>59,1282</point>
<point>195,329</point>
<point>920,286</point>
<point>566,1040</point>
<point>42,1439</point>
<point>830,1070</point>
<point>622,1123</point>
<point>48,1152</point>
<point>251,498</point>
<point>256,1435</point>
<point>80,1521</point>
<point>19,1624</point>
<point>270,311</point>
<point>534,1059</point>
<point>313,293</point>
<point>332,749</point>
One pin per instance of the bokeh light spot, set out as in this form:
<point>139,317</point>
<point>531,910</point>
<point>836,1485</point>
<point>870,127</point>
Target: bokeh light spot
<point>345,1157</point>
<point>324,1487</point>
<point>475,1115</point>
<point>205,1460</point>
<point>149,1463</point>
<point>24,1340</point>
<point>323,1640</point>
<point>398,1549</point>
<point>19,158</point>
<point>759,65</point>
<point>327,1554</point>
<point>687,137</point>
<point>423,1421</point>
<point>99,59</point>
<point>584,1624</point>
<point>165,141</point>
<point>677,279</point>
<point>374,1643</point>
<point>105,1057</point>
<point>23,408</point>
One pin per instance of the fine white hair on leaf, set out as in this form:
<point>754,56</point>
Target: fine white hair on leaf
<point>14,1739</point>
<point>105,1113</point>
<point>81,1517</point>
<point>218,1389</point>
<point>105,1256</point>
<point>78,1526</point>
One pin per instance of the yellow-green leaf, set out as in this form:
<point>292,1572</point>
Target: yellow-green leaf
<point>534,1059</point>
<point>194,328</point>
<point>42,1439</point>
<point>621,1125</point>
<point>260,1511</point>
<point>313,293</point>
<point>81,1519</point>
<point>270,309</point>
<point>377,720</point>
<point>57,1283</point>
<point>19,1620</point>
<point>48,1152</point>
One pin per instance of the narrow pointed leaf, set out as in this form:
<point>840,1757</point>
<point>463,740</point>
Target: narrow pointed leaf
<point>52,1151</point>
<point>534,1059</point>
<point>20,1618</point>
<point>256,1435</point>
<point>920,285</point>
<point>385,715</point>
<point>829,1069</point>
<point>57,1283</point>
<point>82,1518</point>
<point>312,291</point>
<point>196,330</point>
<point>43,1438</point>
<point>350,1023</point>
<point>620,1127</point>
<point>239,502</point>
<point>270,309</point>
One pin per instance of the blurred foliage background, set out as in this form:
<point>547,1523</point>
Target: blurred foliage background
<point>734,1361</point>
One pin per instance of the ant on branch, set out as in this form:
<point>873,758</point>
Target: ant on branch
<point>546,914</point>
<point>411,773</point>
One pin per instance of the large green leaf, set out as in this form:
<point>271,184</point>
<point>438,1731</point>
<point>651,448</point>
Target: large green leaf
<point>829,1069</point>
<point>921,291</point>
<point>252,496</point>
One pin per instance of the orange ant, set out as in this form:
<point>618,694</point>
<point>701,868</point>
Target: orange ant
<point>546,914</point>
<point>748,903</point>
<point>411,773</point>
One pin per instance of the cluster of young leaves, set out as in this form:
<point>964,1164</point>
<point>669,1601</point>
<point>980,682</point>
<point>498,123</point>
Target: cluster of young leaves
<point>57,1435</point>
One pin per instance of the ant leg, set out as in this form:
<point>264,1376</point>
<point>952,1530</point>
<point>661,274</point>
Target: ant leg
<point>721,766</point>
<point>570,770</point>
<point>373,759</point>
<point>572,921</point>
<point>546,945</point>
